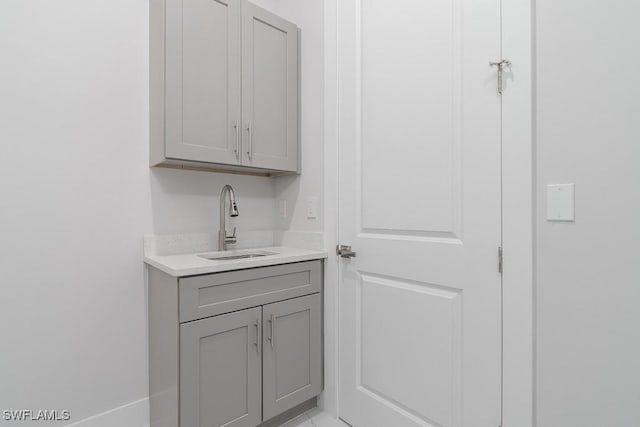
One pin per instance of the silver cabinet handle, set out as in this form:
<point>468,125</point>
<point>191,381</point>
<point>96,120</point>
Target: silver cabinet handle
<point>236,126</point>
<point>271,326</point>
<point>250,141</point>
<point>257,342</point>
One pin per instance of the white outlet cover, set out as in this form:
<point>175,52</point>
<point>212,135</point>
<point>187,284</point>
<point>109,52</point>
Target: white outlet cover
<point>561,202</point>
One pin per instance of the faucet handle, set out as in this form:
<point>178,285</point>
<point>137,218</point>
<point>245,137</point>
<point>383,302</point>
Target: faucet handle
<point>231,239</point>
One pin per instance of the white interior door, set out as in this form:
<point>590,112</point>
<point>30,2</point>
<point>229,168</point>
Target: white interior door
<point>420,202</point>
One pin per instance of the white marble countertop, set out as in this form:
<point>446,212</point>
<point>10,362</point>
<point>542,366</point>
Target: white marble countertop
<point>191,264</point>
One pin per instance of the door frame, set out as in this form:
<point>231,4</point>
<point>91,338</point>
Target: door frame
<point>517,212</point>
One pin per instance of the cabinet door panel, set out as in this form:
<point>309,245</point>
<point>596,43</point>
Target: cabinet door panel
<point>269,90</point>
<point>220,371</point>
<point>292,361</point>
<point>203,77</point>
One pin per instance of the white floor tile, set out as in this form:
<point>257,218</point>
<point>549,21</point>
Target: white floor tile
<point>323,419</point>
<point>314,418</point>
<point>300,421</point>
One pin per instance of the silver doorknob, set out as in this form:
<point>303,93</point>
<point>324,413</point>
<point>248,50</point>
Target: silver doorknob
<point>345,251</point>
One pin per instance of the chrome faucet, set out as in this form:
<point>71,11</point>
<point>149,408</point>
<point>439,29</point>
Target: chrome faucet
<point>223,239</point>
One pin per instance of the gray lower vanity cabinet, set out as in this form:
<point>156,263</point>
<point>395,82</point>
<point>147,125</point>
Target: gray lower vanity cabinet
<point>238,348</point>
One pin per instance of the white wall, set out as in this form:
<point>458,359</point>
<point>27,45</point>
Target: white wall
<point>76,197</point>
<point>588,272</point>
<point>189,201</point>
<point>296,190</point>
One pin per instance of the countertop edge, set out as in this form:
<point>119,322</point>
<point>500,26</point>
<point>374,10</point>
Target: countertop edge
<point>219,268</point>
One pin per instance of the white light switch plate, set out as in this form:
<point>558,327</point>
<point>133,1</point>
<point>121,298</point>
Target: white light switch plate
<point>282,208</point>
<point>312,207</point>
<point>561,202</point>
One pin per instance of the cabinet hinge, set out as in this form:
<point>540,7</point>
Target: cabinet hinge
<point>500,259</point>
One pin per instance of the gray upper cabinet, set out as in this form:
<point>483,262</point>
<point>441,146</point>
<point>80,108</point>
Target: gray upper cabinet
<point>220,371</point>
<point>224,87</point>
<point>269,90</point>
<point>203,64</point>
<point>292,364</point>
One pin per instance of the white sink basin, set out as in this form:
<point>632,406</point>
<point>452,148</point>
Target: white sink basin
<point>236,255</point>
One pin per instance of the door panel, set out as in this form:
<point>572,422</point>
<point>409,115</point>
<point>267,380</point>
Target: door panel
<point>292,353</point>
<point>410,116</point>
<point>203,66</point>
<point>420,202</point>
<point>220,371</point>
<point>389,353</point>
<point>270,90</point>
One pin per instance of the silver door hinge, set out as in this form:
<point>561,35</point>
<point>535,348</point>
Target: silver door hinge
<point>500,259</point>
<point>501,65</point>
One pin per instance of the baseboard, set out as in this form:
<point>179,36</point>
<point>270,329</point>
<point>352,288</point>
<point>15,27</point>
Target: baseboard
<point>134,414</point>
<point>291,413</point>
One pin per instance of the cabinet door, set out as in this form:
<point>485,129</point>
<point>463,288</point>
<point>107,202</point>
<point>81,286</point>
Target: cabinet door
<point>220,370</point>
<point>203,78</point>
<point>292,360</point>
<point>269,90</point>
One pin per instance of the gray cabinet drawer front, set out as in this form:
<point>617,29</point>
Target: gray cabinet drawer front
<point>219,293</point>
